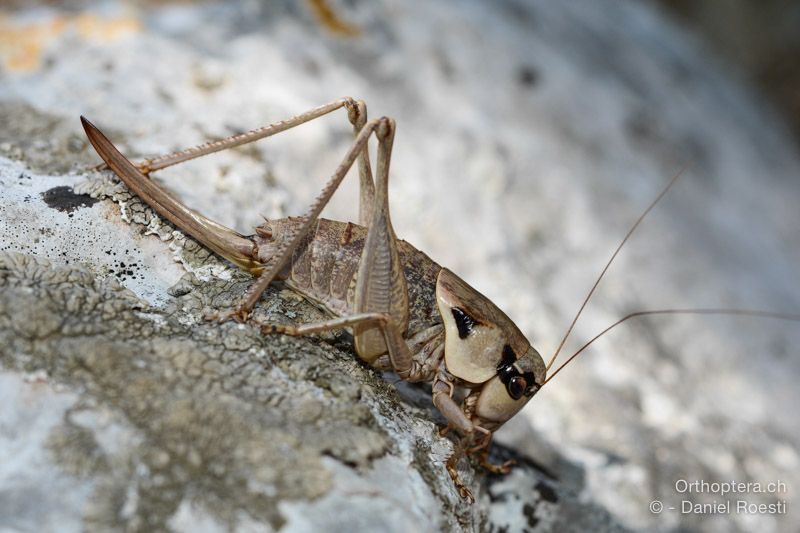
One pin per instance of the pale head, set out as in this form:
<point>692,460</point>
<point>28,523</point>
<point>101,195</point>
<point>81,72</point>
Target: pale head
<point>487,351</point>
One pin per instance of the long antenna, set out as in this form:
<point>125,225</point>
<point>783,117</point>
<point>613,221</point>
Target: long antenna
<point>605,269</point>
<point>739,312</point>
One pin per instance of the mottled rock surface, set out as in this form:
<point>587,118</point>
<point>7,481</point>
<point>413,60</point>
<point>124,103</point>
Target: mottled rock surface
<point>530,135</point>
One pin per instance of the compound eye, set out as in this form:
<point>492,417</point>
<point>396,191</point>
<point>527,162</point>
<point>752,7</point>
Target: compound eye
<point>516,387</point>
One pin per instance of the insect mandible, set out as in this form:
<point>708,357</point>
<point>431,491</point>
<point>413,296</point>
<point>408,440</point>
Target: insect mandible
<point>407,313</point>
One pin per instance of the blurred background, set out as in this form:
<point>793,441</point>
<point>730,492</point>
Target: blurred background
<point>530,135</point>
<point>759,40</point>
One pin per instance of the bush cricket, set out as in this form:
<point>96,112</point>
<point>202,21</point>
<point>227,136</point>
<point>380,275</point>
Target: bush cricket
<point>407,313</point>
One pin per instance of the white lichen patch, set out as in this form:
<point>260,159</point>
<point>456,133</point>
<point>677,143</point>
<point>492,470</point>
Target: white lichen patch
<point>87,236</point>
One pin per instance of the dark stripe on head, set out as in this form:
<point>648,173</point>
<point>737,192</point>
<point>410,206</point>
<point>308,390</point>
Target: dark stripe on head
<point>464,322</point>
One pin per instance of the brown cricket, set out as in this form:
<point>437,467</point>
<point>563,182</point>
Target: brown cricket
<point>407,313</point>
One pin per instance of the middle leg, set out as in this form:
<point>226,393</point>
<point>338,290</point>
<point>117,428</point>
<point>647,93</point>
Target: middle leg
<point>397,348</point>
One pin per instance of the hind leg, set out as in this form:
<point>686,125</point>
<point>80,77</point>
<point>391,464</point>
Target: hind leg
<point>356,114</point>
<point>284,253</point>
<point>222,240</point>
<point>380,287</point>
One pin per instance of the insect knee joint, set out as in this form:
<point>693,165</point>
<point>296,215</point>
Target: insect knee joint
<point>356,111</point>
<point>385,128</point>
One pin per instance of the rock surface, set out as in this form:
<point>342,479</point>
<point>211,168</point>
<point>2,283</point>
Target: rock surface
<point>530,135</point>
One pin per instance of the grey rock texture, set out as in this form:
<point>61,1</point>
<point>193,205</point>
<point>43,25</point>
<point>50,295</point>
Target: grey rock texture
<point>530,135</point>
<point>149,417</point>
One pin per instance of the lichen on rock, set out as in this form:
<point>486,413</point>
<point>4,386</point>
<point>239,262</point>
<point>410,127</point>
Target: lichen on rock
<point>530,136</point>
<point>202,405</point>
<point>162,419</point>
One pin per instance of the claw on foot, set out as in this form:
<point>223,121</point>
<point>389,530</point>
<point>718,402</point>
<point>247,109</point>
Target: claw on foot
<point>272,328</point>
<point>504,468</point>
<point>144,168</point>
<point>465,493</point>
<point>462,489</point>
<point>239,315</point>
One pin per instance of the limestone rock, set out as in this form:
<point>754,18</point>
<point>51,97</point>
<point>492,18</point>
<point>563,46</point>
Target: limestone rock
<point>530,136</point>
